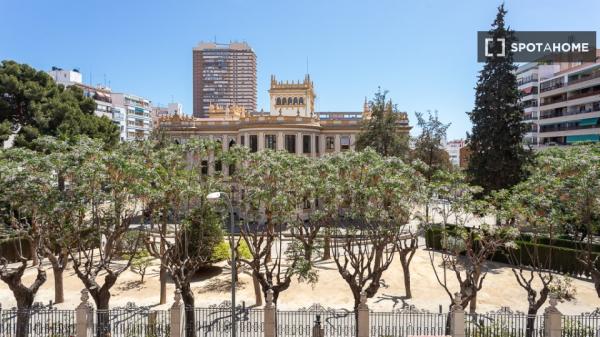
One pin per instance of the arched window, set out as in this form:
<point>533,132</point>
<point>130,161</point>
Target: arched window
<point>278,101</point>
<point>295,100</point>
<point>290,101</point>
<point>301,100</point>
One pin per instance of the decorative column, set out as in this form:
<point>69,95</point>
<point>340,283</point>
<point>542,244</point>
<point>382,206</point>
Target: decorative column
<point>363,316</point>
<point>552,319</point>
<point>299,142</point>
<point>261,141</point>
<point>211,159</point>
<point>83,315</point>
<point>177,316</point>
<point>280,141</point>
<point>313,145</point>
<point>270,314</point>
<point>317,330</point>
<point>225,148</point>
<point>352,141</point>
<point>337,144</point>
<point>457,317</point>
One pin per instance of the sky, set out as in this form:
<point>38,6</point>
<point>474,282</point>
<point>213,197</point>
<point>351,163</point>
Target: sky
<point>422,51</point>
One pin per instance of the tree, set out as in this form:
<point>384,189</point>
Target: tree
<point>465,249</point>
<point>374,200</point>
<point>269,184</point>
<point>33,105</point>
<point>381,132</point>
<point>428,144</point>
<point>497,153</point>
<point>112,183</point>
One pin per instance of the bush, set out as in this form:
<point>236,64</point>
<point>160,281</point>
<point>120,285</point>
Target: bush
<point>204,232</point>
<point>222,251</point>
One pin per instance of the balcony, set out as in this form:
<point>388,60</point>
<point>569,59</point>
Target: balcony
<point>526,80</point>
<point>554,128</point>
<point>552,86</point>
<point>595,74</point>
<point>553,101</point>
<point>585,94</point>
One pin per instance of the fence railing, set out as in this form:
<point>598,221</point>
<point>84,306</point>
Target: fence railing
<point>404,324</point>
<point>37,322</point>
<point>216,321</point>
<point>335,323</point>
<point>584,325</point>
<point>504,324</point>
<point>126,322</point>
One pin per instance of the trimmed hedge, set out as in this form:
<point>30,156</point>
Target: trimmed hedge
<point>561,259</point>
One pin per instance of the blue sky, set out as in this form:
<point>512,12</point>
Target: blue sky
<point>422,51</point>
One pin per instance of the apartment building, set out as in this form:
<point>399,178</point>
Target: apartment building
<point>138,122</point>
<point>453,148</point>
<point>569,109</point>
<point>223,75</point>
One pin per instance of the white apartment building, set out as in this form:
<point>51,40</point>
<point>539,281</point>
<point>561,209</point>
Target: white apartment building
<point>570,106</point>
<point>138,122</point>
<point>453,148</point>
<point>528,82</point>
<point>130,113</point>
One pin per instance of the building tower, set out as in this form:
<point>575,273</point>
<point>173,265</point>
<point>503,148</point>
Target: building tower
<point>223,75</point>
<point>292,99</point>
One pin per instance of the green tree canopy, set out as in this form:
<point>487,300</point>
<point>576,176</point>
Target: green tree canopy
<point>497,153</point>
<point>33,105</point>
<point>381,132</point>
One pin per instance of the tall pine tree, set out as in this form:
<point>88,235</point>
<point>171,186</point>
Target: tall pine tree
<point>497,152</point>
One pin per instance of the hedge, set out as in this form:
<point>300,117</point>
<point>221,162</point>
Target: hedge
<point>562,260</point>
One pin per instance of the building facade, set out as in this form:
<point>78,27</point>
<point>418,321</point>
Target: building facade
<point>561,103</point>
<point>170,109</point>
<point>291,125</point>
<point>453,148</point>
<point>137,119</point>
<point>223,75</point>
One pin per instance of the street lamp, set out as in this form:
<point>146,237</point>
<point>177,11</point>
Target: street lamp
<point>213,198</point>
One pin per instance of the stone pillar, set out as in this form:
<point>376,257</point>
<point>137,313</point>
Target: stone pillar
<point>313,145</point>
<point>337,147</point>
<point>83,315</point>
<point>552,319</point>
<point>211,159</point>
<point>280,141</point>
<point>225,148</point>
<point>299,143</point>
<point>352,141</point>
<point>457,317</point>
<point>363,316</point>
<point>177,316</point>
<point>261,141</point>
<point>270,314</point>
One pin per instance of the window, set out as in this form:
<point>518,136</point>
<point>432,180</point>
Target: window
<point>243,141</point>
<point>278,101</point>
<point>317,144</point>
<point>271,142</point>
<point>306,144</point>
<point>345,143</point>
<point>301,100</point>
<point>290,143</point>
<point>253,143</point>
<point>329,143</point>
<point>295,100</point>
<point>306,203</point>
<point>204,167</point>
<point>290,101</point>
<point>218,166</point>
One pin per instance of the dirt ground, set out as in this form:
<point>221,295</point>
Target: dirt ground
<point>212,287</point>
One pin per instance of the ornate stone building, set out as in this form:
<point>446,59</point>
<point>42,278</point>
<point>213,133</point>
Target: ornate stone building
<point>292,124</point>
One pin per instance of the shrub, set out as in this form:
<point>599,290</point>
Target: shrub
<point>222,251</point>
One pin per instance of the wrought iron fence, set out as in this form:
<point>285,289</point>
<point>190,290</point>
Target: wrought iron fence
<point>335,323</point>
<point>216,321</point>
<point>406,322</point>
<point>504,323</point>
<point>584,325</point>
<point>41,322</point>
<point>131,321</point>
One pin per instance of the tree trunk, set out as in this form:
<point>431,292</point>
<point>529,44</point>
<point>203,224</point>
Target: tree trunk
<point>33,252</point>
<point>59,292</point>
<point>406,272</point>
<point>257,291</point>
<point>163,284</point>
<point>596,280</point>
<point>530,328</point>
<point>102,299</point>
<point>326,248</point>
<point>188,301</point>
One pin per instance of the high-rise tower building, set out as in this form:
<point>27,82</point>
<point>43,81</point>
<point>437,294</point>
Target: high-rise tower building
<point>224,76</point>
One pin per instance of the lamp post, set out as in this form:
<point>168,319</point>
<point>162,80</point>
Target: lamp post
<point>214,197</point>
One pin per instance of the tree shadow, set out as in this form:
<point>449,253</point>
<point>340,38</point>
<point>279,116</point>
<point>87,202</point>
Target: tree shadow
<point>394,299</point>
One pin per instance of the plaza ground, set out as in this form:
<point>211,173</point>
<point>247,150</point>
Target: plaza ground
<point>211,286</point>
